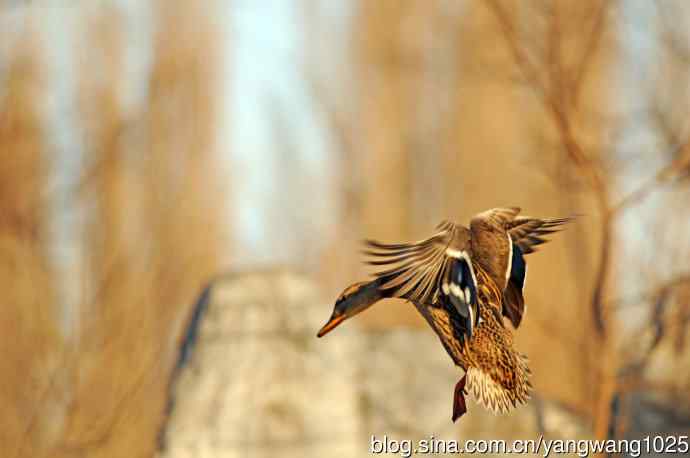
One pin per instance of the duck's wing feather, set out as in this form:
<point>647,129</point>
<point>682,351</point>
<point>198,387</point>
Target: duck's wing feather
<point>498,217</point>
<point>527,232</point>
<point>416,268</point>
<point>513,303</point>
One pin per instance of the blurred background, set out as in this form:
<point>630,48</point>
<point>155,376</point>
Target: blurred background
<point>151,149</point>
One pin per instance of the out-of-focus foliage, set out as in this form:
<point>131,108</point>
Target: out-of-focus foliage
<point>32,386</point>
<point>430,109</point>
<point>149,235</point>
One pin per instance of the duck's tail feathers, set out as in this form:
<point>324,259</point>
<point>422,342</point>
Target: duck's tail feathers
<point>500,397</point>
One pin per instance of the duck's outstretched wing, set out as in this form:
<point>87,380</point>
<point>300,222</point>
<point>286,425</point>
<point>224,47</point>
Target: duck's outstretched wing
<point>417,267</point>
<point>526,233</point>
<point>430,271</point>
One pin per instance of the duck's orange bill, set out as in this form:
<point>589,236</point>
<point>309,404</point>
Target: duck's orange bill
<point>332,323</point>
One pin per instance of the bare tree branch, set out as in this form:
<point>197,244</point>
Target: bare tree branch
<point>590,50</point>
<point>647,297</point>
<point>676,167</point>
<point>521,58</point>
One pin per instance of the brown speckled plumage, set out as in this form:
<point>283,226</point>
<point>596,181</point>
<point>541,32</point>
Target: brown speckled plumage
<point>497,374</point>
<point>464,281</point>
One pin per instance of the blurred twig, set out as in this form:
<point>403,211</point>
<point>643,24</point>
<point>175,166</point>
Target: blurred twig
<point>670,171</point>
<point>652,295</point>
<point>594,39</point>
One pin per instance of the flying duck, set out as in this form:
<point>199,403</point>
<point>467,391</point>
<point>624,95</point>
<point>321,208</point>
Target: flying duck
<point>463,281</point>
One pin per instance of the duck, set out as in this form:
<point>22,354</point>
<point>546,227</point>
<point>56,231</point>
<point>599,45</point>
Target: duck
<point>466,282</point>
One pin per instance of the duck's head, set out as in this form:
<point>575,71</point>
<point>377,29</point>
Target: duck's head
<point>355,299</point>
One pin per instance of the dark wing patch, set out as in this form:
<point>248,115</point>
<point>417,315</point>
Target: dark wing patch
<point>460,290</point>
<point>518,269</point>
<point>513,299</point>
<point>527,232</point>
<point>448,326</point>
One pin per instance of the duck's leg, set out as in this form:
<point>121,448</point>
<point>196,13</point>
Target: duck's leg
<point>459,407</point>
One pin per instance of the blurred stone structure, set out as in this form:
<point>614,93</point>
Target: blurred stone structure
<point>258,383</point>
